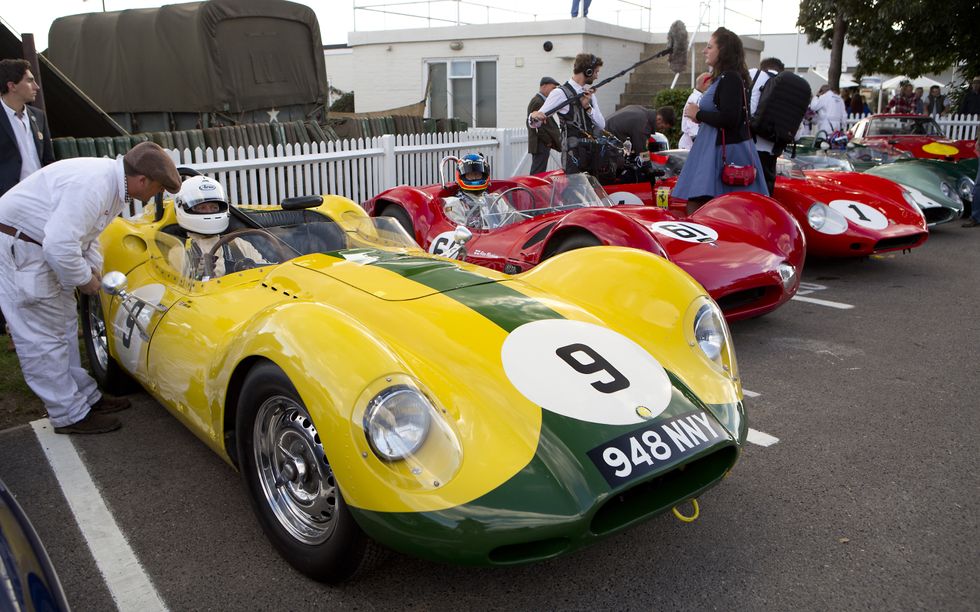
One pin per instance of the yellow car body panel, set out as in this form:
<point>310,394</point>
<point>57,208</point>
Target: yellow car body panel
<point>272,312</point>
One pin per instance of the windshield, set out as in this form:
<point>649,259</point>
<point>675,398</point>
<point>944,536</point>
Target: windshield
<point>819,161</point>
<point>499,209</point>
<point>197,257</point>
<point>878,153</point>
<point>671,161</point>
<point>790,168</point>
<point>905,126</point>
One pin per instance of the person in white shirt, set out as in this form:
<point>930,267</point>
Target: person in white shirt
<point>767,149</point>
<point>49,246</point>
<point>689,129</point>
<point>580,121</point>
<point>25,142</point>
<point>831,115</point>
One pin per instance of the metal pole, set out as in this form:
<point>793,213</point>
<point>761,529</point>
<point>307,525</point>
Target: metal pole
<point>797,68</point>
<point>30,54</point>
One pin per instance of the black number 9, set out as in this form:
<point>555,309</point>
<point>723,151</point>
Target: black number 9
<point>598,364</point>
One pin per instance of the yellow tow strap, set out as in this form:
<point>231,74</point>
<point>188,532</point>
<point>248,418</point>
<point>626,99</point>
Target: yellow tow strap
<point>688,519</point>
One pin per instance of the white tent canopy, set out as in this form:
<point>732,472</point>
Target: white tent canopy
<point>923,82</point>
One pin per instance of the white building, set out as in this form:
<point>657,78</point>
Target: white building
<point>483,74</point>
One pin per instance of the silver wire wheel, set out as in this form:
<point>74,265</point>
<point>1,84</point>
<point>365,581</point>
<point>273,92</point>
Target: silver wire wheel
<point>293,472</point>
<point>97,332</point>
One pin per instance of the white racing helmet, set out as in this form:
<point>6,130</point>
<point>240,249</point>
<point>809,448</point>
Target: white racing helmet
<point>199,190</point>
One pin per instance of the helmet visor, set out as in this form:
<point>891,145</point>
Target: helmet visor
<point>473,165</point>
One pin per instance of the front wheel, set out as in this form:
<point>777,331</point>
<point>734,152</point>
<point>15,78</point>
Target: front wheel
<point>107,372</point>
<point>291,486</point>
<point>575,241</point>
<point>401,215</point>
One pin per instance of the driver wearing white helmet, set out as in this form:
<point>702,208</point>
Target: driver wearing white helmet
<point>202,211</point>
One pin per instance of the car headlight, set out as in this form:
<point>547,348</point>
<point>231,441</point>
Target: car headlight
<point>947,189</point>
<point>966,189</point>
<point>710,336</point>
<point>397,421</point>
<point>825,219</point>
<point>816,216</point>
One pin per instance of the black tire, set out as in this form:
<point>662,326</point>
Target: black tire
<point>107,372</point>
<point>291,486</point>
<point>399,214</point>
<point>575,241</point>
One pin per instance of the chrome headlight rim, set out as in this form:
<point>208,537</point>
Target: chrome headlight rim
<point>824,219</point>
<point>816,215</point>
<point>708,335</point>
<point>966,187</point>
<point>947,190</point>
<point>385,423</point>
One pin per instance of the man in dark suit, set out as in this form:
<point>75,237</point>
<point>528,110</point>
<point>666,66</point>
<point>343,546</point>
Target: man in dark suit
<point>542,140</point>
<point>25,143</point>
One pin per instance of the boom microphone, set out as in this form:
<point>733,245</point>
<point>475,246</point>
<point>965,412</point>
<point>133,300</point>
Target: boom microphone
<point>677,43</point>
<point>676,49</point>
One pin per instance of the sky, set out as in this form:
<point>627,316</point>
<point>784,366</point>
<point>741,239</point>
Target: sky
<point>338,17</point>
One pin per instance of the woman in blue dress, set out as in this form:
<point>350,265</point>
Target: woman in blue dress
<point>723,109</point>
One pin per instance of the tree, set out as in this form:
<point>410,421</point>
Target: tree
<point>828,22</point>
<point>910,37</point>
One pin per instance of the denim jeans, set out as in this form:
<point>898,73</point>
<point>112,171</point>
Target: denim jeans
<point>585,8</point>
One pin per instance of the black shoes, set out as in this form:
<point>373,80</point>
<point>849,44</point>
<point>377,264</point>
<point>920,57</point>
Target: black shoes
<point>93,423</point>
<point>97,420</point>
<point>971,222</point>
<point>108,405</point>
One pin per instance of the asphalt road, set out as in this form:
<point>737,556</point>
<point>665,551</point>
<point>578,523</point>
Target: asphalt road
<point>867,501</point>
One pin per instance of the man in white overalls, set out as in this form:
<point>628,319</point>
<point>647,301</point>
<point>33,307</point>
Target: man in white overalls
<point>49,246</point>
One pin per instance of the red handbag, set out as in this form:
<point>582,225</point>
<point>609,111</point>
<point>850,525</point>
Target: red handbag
<point>736,176</point>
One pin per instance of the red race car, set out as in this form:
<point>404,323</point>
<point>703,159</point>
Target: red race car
<point>843,214</point>
<point>744,249</point>
<point>921,136</point>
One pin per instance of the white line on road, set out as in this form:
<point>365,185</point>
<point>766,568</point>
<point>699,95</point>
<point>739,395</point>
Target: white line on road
<point>827,303</point>
<point>755,436</point>
<point>128,583</point>
<point>762,439</point>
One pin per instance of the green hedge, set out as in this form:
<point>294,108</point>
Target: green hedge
<point>676,99</point>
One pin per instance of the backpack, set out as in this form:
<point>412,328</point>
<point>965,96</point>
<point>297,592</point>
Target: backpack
<point>783,101</point>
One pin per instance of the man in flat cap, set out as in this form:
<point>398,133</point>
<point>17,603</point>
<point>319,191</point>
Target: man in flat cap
<point>49,246</point>
<point>540,141</point>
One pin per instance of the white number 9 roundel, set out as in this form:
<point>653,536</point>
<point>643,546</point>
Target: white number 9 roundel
<point>586,372</point>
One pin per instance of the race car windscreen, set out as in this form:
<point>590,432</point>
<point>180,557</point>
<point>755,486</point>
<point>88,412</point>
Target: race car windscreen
<point>375,232</point>
<point>577,191</point>
<point>905,126</point>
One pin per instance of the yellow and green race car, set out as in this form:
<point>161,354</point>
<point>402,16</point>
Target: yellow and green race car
<point>374,396</point>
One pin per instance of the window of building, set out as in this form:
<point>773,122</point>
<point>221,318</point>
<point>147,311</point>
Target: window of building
<point>463,88</point>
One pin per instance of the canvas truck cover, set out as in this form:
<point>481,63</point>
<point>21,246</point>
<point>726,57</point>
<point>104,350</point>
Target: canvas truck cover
<point>215,56</point>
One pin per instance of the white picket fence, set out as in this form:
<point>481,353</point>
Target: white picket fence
<point>362,168</point>
<point>956,127</point>
<point>357,169</point>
